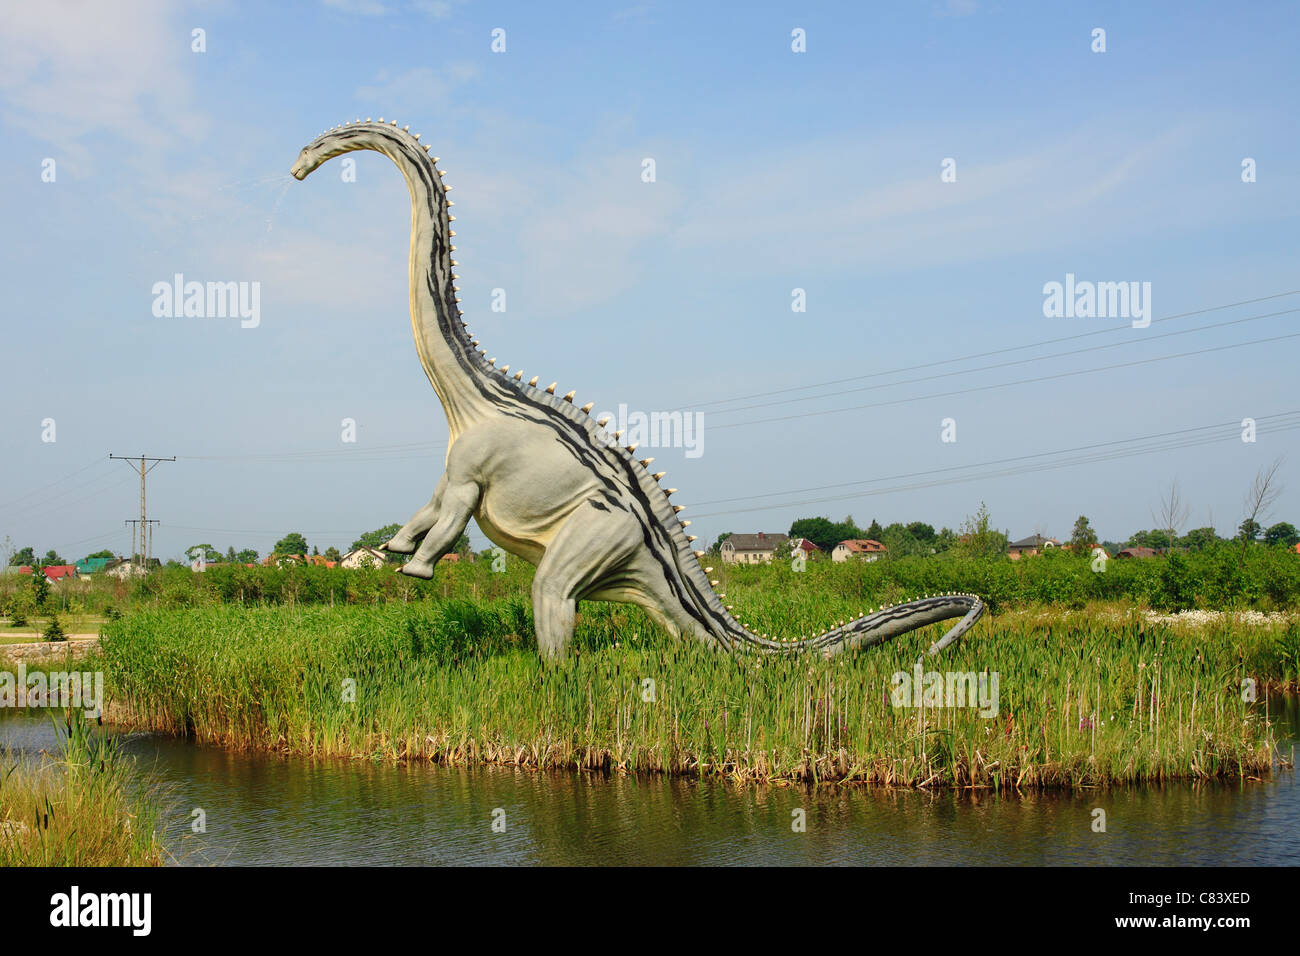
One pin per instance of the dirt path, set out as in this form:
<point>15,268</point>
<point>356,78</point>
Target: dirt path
<point>37,639</point>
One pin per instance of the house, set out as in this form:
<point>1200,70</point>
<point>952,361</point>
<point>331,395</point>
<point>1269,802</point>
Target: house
<point>751,548</point>
<point>1136,553</point>
<point>57,572</point>
<point>804,545</point>
<point>1028,547</point>
<point>123,568</point>
<point>861,549</point>
<point>364,558</point>
<point>284,560</point>
<point>195,566</point>
<point>452,557</point>
<point>92,565</point>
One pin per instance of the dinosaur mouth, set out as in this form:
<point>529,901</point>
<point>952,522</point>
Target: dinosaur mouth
<point>300,169</point>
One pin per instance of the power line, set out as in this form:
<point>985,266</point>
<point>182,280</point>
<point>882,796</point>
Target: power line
<point>1287,423</point>
<point>1003,461</point>
<point>1001,351</point>
<point>1035,358</point>
<point>289,456</point>
<point>1022,381</point>
<point>57,481</point>
<point>376,453</point>
<point>62,504</point>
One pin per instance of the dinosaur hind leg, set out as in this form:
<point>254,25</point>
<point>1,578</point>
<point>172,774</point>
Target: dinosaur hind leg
<point>408,539</point>
<point>594,544</point>
<point>455,504</point>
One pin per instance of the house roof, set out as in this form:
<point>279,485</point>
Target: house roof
<point>91,565</point>
<point>56,571</point>
<point>762,541</point>
<point>1136,553</point>
<point>1033,541</point>
<point>862,546</point>
<point>805,544</point>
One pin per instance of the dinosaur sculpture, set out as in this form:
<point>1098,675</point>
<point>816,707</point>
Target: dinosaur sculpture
<point>545,481</point>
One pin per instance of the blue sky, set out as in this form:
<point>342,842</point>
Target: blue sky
<point>775,170</point>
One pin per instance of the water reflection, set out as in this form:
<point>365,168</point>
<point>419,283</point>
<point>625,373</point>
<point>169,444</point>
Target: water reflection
<point>267,810</point>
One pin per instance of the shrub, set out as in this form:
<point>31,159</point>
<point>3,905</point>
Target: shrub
<point>54,630</point>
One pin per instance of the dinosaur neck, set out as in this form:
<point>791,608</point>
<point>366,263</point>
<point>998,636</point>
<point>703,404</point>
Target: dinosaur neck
<point>449,357</point>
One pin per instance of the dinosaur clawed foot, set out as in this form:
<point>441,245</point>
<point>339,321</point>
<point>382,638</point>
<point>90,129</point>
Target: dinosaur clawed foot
<point>418,569</point>
<point>399,545</point>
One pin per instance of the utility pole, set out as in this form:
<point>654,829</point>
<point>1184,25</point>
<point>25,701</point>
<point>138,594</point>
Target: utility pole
<point>143,468</point>
<point>144,548</point>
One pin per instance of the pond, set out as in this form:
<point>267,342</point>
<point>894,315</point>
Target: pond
<point>263,810</point>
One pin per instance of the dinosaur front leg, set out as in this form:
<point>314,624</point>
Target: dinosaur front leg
<point>454,504</point>
<point>595,543</point>
<point>413,532</point>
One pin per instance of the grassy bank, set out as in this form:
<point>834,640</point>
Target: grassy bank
<point>81,807</point>
<point>1094,698</point>
<point>1222,576</point>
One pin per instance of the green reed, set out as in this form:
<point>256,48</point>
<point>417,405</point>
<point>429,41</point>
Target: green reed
<point>85,805</point>
<point>1085,699</point>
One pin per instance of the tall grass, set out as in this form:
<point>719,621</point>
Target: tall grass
<point>83,806</point>
<point>1084,701</point>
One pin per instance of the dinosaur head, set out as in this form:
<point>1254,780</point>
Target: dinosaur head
<point>311,156</point>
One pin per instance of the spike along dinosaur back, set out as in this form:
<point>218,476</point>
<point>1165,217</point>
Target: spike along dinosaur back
<point>545,481</point>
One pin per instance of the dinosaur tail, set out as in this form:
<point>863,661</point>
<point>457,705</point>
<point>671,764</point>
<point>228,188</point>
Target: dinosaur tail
<point>870,629</point>
<point>880,626</point>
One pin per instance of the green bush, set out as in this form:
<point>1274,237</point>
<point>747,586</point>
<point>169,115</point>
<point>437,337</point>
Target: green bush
<point>54,630</point>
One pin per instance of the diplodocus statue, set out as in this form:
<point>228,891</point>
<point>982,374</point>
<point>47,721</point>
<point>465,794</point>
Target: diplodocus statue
<point>545,481</point>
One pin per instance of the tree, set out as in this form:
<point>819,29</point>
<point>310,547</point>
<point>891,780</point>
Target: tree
<point>1283,533</point>
<point>1157,539</point>
<point>1083,539</point>
<point>1259,501</point>
<point>461,546</point>
<point>52,557</point>
<point>210,554</point>
<point>922,532</point>
<point>1198,539</point>
<point>874,532</point>
<point>291,543</point>
<point>25,557</point>
<point>978,538</point>
<point>944,540</point>
<point>98,554</point>
<point>231,557</point>
<point>247,556</point>
<point>822,532</point>
<point>900,541</point>
<point>1172,514</point>
<point>40,588</point>
<point>373,539</point>
<point>332,554</point>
